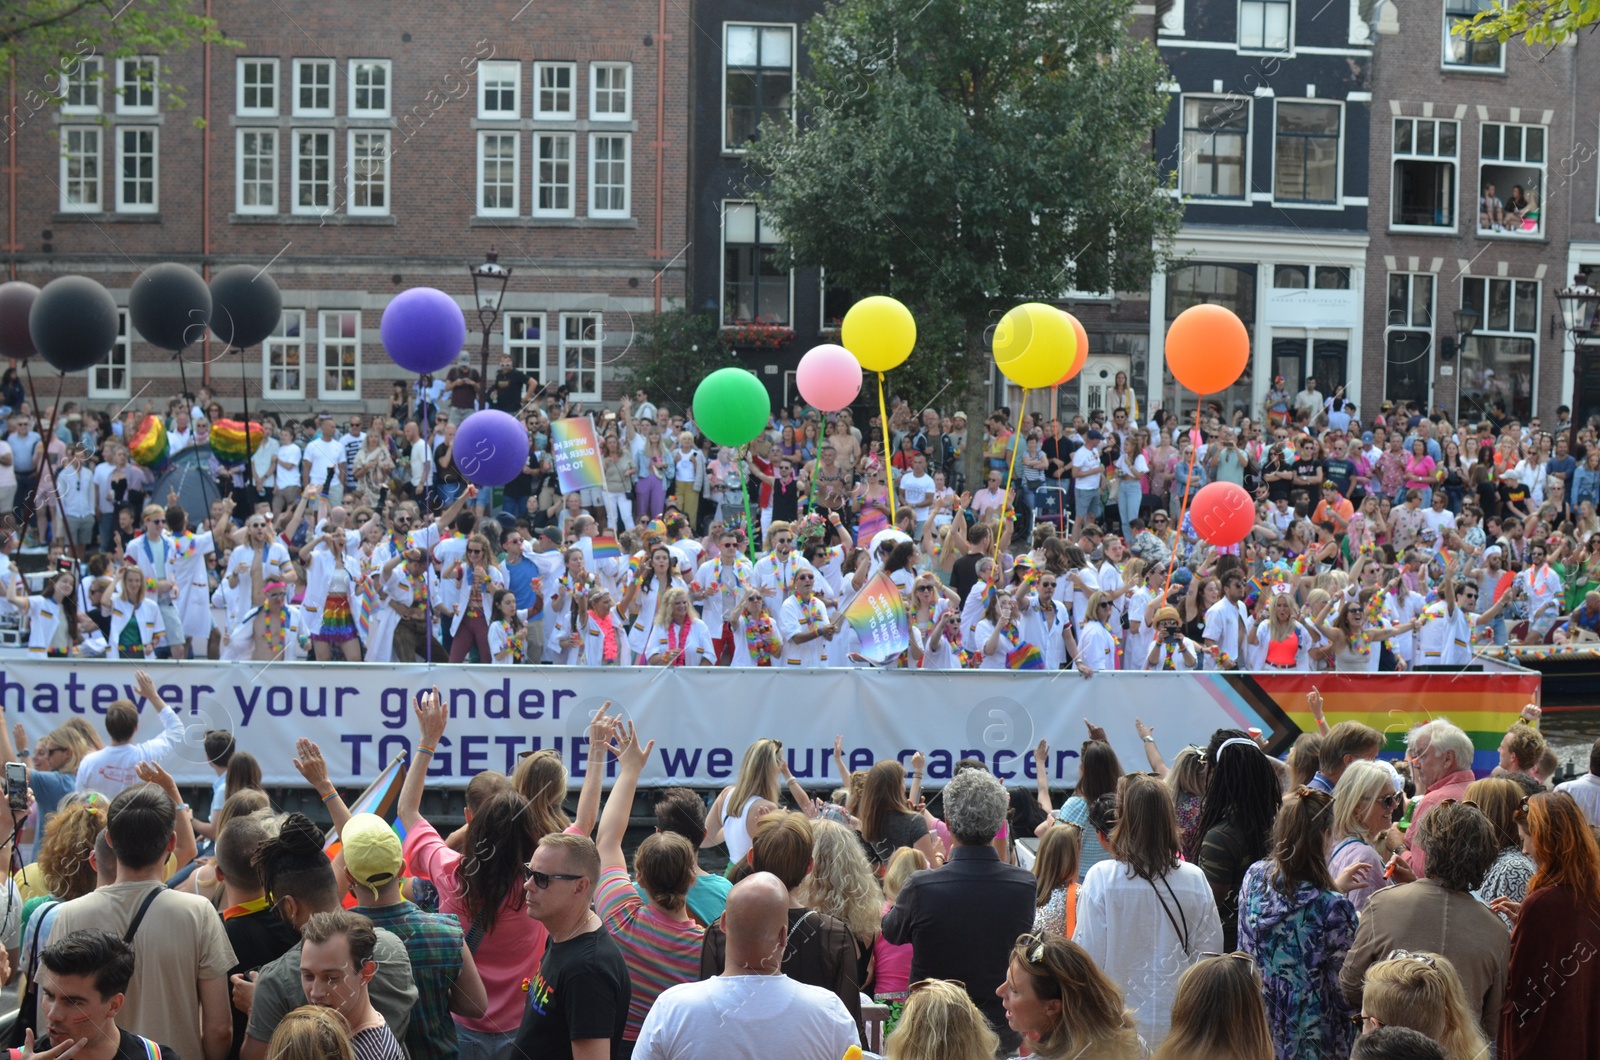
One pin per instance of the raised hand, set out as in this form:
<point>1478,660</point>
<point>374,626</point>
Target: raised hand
<point>310,764</point>
<point>152,773</point>
<point>628,750</point>
<point>1095,731</point>
<point>1314,703</point>
<point>432,716</point>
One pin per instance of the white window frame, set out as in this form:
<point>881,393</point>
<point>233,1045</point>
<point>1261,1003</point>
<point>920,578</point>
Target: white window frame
<point>1500,161</point>
<point>281,341</point>
<point>323,345</point>
<point>154,179</point>
<point>1336,203</point>
<point>271,163</point>
<point>85,77</point>
<point>356,68</point>
<point>794,44</point>
<point>295,183</point>
<point>539,185</point>
<point>499,68</point>
<point>119,357</point>
<point>1248,106</point>
<point>1396,156</point>
<point>244,66</point>
<point>1431,330</point>
<point>96,182</point>
<point>1446,21</point>
<point>722,263</point>
<point>626,114</point>
<point>516,173</point>
<point>1263,48</point>
<point>627,172</point>
<point>356,164</point>
<point>330,86</point>
<point>527,356</point>
<point>598,343</point>
<point>539,111</point>
<point>128,65</point>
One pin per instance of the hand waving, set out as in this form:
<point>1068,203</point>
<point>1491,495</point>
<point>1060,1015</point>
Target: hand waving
<point>310,764</point>
<point>432,716</point>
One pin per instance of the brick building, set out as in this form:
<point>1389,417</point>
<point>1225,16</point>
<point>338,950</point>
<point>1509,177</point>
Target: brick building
<point>356,152</point>
<point>1453,119</point>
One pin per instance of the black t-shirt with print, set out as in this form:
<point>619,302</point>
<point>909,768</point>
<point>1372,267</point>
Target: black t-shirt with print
<point>582,991</point>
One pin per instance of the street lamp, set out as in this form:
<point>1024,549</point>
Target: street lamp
<point>488,289</point>
<point>1578,304</point>
<point>1466,323</point>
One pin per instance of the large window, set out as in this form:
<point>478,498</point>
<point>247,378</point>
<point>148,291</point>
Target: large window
<point>80,86</point>
<point>1264,25</point>
<point>1498,359</point>
<point>525,342</point>
<point>258,171</point>
<point>1511,163</point>
<point>136,85</point>
<point>499,89</point>
<point>580,354</point>
<point>1298,355</point>
<point>1307,153</point>
<point>109,378</point>
<point>313,171</point>
<point>497,174</point>
<point>369,173</point>
<point>369,88</point>
<point>610,91</point>
<point>313,88</point>
<point>1408,338</point>
<point>553,190</point>
<point>757,79</point>
<point>1216,147</point>
<point>339,355</point>
<point>1472,54</point>
<point>754,287</point>
<point>258,88</point>
<point>136,169</point>
<point>1231,286</point>
<point>1424,190</point>
<point>283,357</point>
<point>80,169</point>
<point>554,92</point>
<point>608,175</point>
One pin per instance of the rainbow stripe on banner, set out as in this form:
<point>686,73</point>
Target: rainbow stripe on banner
<point>575,451</point>
<point>604,546</point>
<point>878,615</point>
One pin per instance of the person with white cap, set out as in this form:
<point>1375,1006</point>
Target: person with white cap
<point>370,866</point>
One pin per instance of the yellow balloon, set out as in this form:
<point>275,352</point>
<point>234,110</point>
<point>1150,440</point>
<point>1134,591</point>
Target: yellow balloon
<point>880,331</point>
<point>1034,345</point>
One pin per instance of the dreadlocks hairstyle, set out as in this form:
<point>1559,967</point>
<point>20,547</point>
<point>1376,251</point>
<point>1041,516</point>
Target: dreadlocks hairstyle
<point>1242,789</point>
<point>293,864</point>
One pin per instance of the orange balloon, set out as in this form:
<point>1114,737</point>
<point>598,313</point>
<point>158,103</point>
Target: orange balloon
<point>1208,348</point>
<point>1080,348</point>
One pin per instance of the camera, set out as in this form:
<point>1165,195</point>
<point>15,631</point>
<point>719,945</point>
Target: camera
<point>17,785</point>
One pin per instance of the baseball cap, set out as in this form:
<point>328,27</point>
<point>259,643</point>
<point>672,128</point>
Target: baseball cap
<point>1093,436</point>
<point>371,852</point>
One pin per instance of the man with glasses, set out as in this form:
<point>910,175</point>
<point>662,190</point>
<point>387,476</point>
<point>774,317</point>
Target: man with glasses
<point>351,441</point>
<point>578,1002</point>
<point>719,585</point>
<point>775,572</point>
<point>803,622</point>
<point>1453,625</point>
<point>235,589</point>
<point>1045,622</point>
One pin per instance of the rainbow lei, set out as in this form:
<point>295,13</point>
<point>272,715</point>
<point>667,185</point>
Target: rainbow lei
<point>762,639</point>
<point>275,642</point>
<point>741,577</point>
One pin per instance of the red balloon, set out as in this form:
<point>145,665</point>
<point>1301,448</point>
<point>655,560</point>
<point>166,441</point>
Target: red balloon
<point>1222,513</point>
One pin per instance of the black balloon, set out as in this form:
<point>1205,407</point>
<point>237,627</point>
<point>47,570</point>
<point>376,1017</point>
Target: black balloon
<point>245,305</point>
<point>73,323</point>
<point>170,306</point>
<point>16,300</point>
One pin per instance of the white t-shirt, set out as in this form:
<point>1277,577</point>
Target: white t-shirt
<point>916,489</point>
<point>323,454</point>
<point>1433,522</point>
<point>111,768</point>
<point>288,467</point>
<point>1087,458</point>
<point>770,1016</point>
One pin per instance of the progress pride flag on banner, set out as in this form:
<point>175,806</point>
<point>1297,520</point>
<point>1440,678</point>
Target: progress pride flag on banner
<point>575,451</point>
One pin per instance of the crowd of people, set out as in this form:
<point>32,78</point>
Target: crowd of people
<point>1400,542</point>
<point>1225,906</point>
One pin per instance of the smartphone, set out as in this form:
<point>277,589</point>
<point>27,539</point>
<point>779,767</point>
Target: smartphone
<point>17,785</point>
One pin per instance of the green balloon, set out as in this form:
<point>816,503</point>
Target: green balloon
<point>731,407</point>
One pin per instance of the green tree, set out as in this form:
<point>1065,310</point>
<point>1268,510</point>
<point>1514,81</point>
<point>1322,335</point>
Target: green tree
<point>46,37</point>
<point>672,352</point>
<point>1545,22</point>
<point>965,157</point>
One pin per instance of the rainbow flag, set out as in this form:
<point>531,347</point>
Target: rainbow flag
<point>1025,657</point>
<point>149,446</point>
<point>575,451</point>
<point>878,615</point>
<point>228,441</point>
<point>604,546</point>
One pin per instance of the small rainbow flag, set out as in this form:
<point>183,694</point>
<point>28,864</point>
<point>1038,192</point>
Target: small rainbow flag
<point>878,615</point>
<point>604,546</point>
<point>228,441</point>
<point>149,446</point>
<point>1025,657</point>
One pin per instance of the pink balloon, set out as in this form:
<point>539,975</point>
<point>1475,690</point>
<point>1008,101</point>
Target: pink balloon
<point>829,377</point>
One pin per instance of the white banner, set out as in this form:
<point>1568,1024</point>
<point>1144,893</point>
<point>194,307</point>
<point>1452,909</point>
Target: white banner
<point>702,719</point>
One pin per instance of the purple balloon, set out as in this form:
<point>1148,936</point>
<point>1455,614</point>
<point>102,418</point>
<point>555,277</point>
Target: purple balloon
<point>423,330</point>
<point>491,447</point>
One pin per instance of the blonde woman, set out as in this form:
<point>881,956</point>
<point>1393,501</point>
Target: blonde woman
<point>1097,645</point>
<point>1056,869</point>
<point>891,975</point>
<point>1422,991</point>
<point>842,885</point>
<point>311,1032</point>
<point>1364,801</point>
<point>940,1022</point>
<point>1280,641</point>
<point>679,637</point>
<point>137,628</point>
<point>1057,998</point>
<point>760,776</point>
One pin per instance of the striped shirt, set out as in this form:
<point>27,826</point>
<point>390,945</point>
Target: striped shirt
<point>659,952</point>
<point>433,942</point>
<point>377,1043</point>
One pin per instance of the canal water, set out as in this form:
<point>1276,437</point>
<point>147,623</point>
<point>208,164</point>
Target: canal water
<point>1571,732</point>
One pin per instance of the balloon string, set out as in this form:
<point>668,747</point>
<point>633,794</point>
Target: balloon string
<point>744,491</point>
<point>61,509</point>
<point>1006,509</point>
<point>888,466</point>
<point>1183,509</point>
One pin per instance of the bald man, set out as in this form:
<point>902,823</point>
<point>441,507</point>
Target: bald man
<point>735,1012</point>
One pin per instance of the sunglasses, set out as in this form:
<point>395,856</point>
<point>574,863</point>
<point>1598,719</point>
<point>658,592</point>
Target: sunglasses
<point>543,880</point>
